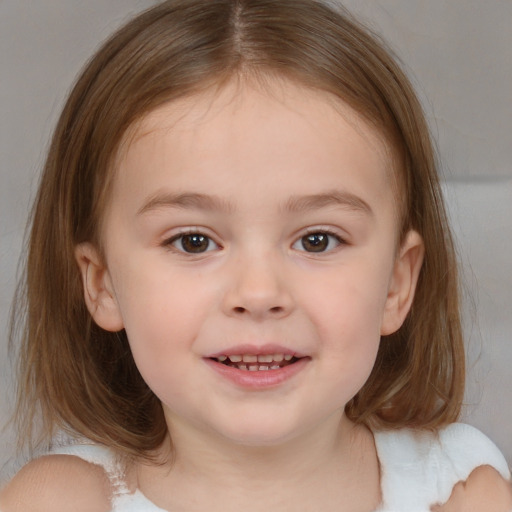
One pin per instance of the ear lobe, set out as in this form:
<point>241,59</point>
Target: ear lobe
<point>403,283</point>
<point>98,290</point>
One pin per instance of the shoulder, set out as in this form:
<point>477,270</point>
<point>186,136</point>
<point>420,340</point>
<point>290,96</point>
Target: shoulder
<point>457,448</point>
<point>57,483</point>
<point>468,449</point>
<point>485,489</point>
<point>426,467</point>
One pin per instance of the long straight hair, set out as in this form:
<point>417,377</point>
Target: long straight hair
<point>80,378</point>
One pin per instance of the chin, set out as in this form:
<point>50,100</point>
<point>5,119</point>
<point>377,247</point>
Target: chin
<point>260,433</point>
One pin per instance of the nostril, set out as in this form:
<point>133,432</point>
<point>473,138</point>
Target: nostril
<point>273,310</point>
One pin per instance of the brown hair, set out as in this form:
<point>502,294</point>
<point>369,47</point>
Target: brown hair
<point>82,378</point>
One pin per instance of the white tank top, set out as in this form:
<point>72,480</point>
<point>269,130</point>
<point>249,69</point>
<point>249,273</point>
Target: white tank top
<point>418,469</point>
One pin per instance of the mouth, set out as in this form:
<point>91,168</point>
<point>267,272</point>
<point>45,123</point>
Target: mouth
<point>256,363</point>
<point>258,368</point>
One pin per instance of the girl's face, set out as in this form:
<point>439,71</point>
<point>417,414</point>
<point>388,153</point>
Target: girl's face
<point>251,255</point>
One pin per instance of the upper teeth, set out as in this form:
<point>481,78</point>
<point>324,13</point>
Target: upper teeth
<point>251,358</point>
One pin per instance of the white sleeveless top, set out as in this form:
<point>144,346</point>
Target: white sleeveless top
<point>418,469</point>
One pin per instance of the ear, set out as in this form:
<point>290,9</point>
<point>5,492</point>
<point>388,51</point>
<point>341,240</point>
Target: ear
<point>403,282</point>
<point>98,290</point>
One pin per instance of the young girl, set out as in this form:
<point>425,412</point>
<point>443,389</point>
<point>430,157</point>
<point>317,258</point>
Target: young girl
<point>241,290</point>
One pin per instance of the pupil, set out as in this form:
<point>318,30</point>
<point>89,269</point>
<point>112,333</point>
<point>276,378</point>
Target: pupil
<point>315,242</point>
<point>195,243</point>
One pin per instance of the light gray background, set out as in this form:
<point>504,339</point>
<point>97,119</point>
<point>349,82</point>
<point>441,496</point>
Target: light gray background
<point>459,55</point>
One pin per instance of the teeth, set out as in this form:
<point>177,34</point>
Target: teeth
<point>262,358</point>
<point>253,362</point>
<point>257,367</point>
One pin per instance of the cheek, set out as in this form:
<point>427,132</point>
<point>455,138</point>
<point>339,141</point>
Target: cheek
<point>350,344</point>
<point>347,310</point>
<point>161,327</point>
<point>351,299</point>
<point>161,313</point>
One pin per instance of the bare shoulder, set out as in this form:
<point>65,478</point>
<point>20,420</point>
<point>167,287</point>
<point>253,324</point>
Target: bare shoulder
<point>57,483</point>
<point>485,489</point>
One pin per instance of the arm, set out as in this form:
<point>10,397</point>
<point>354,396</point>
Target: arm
<point>58,483</point>
<point>484,490</point>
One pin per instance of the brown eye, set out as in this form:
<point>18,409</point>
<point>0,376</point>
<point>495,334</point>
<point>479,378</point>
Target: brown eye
<point>318,242</point>
<point>194,243</point>
<point>315,242</point>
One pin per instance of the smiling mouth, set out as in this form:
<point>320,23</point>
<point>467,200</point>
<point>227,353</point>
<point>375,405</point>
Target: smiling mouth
<point>253,363</point>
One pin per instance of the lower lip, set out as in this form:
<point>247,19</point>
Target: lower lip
<point>261,379</point>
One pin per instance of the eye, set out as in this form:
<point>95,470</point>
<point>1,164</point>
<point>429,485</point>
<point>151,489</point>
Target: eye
<point>318,241</point>
<point>193,243</point>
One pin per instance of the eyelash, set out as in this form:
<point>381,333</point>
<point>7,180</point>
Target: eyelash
<point>171,242</point>
<point>200,237</point>
<point>324,232</point>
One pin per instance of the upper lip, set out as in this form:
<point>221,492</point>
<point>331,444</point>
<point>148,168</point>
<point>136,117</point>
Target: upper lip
<point>256,350</point>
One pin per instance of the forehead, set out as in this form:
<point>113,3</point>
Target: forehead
<point>253,94</point>
<point>279,125</point>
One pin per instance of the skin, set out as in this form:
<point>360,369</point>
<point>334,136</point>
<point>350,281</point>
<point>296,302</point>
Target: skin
<point>269,164</point>
<point>254,172</point>
<point>261,158</point>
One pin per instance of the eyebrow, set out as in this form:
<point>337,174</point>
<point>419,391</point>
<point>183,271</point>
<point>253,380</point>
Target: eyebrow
<point>185,201</point>
<point>295,204</point>
<point>334,198</point>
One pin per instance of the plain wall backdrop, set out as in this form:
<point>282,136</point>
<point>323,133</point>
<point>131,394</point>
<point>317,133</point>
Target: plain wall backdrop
<point>458,53</point>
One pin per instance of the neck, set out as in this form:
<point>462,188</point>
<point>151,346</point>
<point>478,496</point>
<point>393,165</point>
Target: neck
<point>334,459</point>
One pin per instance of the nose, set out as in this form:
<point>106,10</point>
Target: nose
<point>259,289</point>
